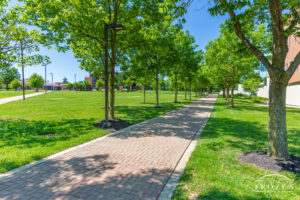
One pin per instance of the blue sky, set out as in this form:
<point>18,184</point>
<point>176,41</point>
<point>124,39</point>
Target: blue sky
<point>199,23</point>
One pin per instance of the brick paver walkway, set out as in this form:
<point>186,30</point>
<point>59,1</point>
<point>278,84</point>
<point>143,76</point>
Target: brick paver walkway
<point>134,163</point>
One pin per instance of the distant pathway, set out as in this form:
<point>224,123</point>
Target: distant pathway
<point>134,163</point>
<point>16,98</point>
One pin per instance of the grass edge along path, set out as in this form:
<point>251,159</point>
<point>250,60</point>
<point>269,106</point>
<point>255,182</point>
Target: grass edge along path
<point>70,116</point>
<point>214,172</point>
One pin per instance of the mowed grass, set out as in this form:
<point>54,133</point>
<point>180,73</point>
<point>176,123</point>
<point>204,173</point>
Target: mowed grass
<point>27,127</point>
<point>12,93</point>
<point>214,172</point>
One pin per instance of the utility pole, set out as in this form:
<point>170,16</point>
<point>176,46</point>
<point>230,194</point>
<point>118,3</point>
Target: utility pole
<point>52,81</point>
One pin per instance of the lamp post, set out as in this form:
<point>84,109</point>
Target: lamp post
<point>45,85</point>
<point>75,77</point>
<point>52,81</point>
<point>115,27</point>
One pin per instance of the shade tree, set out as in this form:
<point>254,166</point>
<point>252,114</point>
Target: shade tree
<point>282,17</point>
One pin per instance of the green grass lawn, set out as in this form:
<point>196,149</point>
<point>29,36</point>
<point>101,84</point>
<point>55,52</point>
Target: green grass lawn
<point>13,93</point>
<point>71,117</point>
<point>213,171</point>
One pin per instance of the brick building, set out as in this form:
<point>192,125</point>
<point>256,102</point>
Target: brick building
<point>294,49</point>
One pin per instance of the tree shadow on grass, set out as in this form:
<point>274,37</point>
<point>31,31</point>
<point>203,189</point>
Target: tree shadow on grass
<point>248,136</point>
<point>29,133</point>
<point>84,177</point>
<point>218,194</point>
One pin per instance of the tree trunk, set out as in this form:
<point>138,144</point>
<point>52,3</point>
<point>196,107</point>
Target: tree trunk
<point>224,95</point>
<point>278,146</point>
<point>175,88</point>
<point>190,88</point>
<point>145,94</point>
<point>112,74</point>
<point>227,93</point>
<point>156,88</point>
<point>185,89</point>
<point>7,87</point>
<point>232,90</point>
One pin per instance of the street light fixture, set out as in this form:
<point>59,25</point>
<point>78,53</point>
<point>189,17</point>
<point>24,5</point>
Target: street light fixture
<point>45,84</point>
<point>115,27</point>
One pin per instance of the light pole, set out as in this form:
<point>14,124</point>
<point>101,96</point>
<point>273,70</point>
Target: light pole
<point>52,81</point>
<point>45,78</point>
<point>75,77</point>
<point>115,27</point>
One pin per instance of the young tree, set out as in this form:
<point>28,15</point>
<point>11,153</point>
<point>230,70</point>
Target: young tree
<point>65,80</point>
<point>36,81</point>
<point>99,83</point>
<point>69,86</point>
<point>15,84</point>
<point>80,25</point>
<point>86,85</point>
<point>283,18</point>
<point>8,74</point>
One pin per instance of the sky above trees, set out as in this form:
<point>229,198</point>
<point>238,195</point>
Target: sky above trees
<point>199,23</point>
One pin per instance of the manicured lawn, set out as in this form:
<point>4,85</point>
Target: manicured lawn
<point>213,171</point>
<point>70,116</point>
<point>12,93</point>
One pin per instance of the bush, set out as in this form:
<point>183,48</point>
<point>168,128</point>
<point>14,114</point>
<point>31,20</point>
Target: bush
<point>15,84</point>
<point>69,86</point>
<point>36,81</point>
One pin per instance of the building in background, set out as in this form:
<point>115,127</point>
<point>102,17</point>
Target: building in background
<point>92,80</point>
<point>293,89</point>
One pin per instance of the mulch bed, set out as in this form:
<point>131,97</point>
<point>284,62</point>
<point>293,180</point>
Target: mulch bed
<point>261,159</point>
<point>114,125</point>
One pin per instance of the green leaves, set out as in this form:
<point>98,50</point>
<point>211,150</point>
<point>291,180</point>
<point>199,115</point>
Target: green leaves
<point>36,81</point>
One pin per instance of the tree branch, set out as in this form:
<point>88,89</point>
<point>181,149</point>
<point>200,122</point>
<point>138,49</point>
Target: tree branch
<point>238,29</point>
<point>295,21</point>
<point>294,65</point>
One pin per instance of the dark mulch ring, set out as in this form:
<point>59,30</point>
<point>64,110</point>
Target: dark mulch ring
<point>261,159</point>
<point>114,125</point>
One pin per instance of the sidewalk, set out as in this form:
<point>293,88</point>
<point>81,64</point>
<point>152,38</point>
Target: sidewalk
<point>17,98</point>
<point>134,163</point>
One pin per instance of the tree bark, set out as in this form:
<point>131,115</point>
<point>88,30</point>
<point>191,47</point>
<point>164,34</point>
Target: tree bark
<point>278,146</point>
<point>175,88</point>
<point>112,74</point>
<point>224,95</point>
<point>227,93</point>
<point>145,94</point>
<point>156,88</point>
<point>185,89</point>
<point>190,88</point>
<point>232,89</point>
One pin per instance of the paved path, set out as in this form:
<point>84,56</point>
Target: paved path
<point>16,98</point>
<point>134,163</point>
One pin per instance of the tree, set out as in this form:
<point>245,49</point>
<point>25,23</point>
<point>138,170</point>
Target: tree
<point>79,25</point>
<point>283,18</point>
<point>99,83</point>
<point>78,85</point>
<point>8,74</point>
<point>69,86</point>
<point>253,83</point>
<point>65,80</point>
<point>86,85</point>
<point>36,81</point>
<point>15,84</point>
